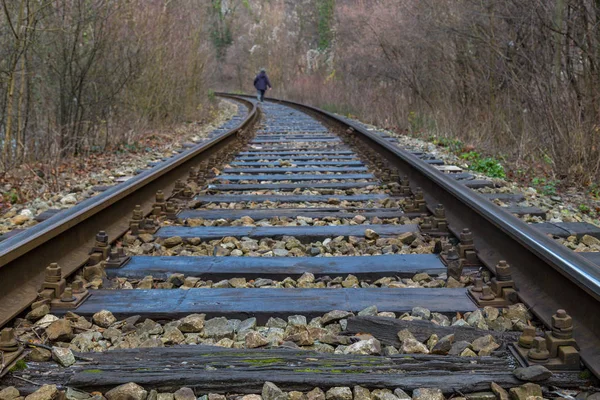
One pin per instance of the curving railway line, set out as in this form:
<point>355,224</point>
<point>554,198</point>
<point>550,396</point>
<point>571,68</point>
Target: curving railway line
<point>299,248</point>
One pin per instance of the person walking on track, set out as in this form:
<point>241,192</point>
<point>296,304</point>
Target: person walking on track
<point>262,84</point>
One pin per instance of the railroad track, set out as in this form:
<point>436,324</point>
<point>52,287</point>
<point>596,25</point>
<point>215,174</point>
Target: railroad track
<point>301,249</point>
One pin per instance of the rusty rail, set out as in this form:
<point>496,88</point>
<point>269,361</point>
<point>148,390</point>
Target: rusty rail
<point>67,237</point>
<point>548,275</point>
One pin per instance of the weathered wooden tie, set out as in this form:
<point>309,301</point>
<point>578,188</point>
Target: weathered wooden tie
<point>274,198</point>
<point>213,369</point>
<point>293,178</point>
<point>303,233</point>
<point>292,186</point>
<point>258,214</point>
<point>218,268</point>
<point>160,304</point>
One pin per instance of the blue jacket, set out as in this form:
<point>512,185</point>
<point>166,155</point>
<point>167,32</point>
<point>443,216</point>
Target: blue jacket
<point>261,82</point>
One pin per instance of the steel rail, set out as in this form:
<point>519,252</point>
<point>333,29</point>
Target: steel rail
<point>66,238</point>
<point>548,276</point>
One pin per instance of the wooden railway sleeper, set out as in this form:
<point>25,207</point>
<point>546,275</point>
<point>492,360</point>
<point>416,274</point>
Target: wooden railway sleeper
<point>557,350</point>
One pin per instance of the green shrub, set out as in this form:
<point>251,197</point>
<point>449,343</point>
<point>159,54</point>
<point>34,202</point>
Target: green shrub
<point>547,187</point>
<point>486,165</point>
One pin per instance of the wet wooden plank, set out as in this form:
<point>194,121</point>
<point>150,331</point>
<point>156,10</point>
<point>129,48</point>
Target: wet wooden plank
<point>505,197</point>
<point>274,152</point>
<point>213,369</point>
<point>449,168</point>
<point>295,177</point>
<point>298,163</point>
<point>292,186</point>
<point>386,330</point>
<point>313,157</point>
<point>566,229</point>
<point>283,170</point>
<point>218,268</point>
<point>265,303</point>
<point>274,198</point>
<point>460,175</point>
<point>478,184</point>
<point>520,210</point>
<point>433,161</point>
<point>258,214</point>
<point>303,233</point>
<point>296,140</point>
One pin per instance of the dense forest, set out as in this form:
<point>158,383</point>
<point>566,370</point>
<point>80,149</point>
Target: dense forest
<point>517,79</point>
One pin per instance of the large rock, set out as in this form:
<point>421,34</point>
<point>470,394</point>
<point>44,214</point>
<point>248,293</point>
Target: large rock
<point>38,312</point>
<point>524,391</point>
<point>413,346</point>
<point>64,357</point>
<point>315,394</point>
<point>218,328</point>
<point>350,281</point>
<point>484,345</point>
<point>38,354</point>
<point>590,240</point>
<point>365,347</point>
<point>172,241</point>
<point>361,393</point>
<point>149,327</point>
<point>459,347</point>
<point>534,373</point>
<point>254,339</point>
<point>247,324</point>
<point>369,311</point>
<point>172,335</point>
<point>9,393</point>
<point>443,345</point>
<point>193,323</point>
<point>421,312</point>
<point>517,313</point>
<point>74,394</point>
<point>401,394</point>
<point>250,397</point>
<point>270,391</point>
<point>184,393</point>
<point>383,394</point>
<point>427,394</point>
<point>104,318</point>
<point>339,393</point>
<point>296,320</point>
<point>275,322</point>
<point>499,391</point>
<point>46,392</point>
<point>405,334</point>
<point>371,234</point>
<point>128,391</point>
<point>294,395</point>
<point>334,316</point>
<point>59,330</point>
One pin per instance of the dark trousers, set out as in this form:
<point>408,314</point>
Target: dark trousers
<point>261,95</point>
